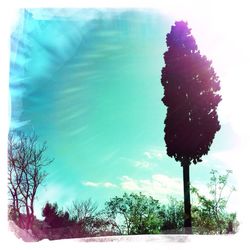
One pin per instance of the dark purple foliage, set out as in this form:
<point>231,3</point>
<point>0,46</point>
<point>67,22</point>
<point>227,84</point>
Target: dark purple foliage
<point>191,95</point>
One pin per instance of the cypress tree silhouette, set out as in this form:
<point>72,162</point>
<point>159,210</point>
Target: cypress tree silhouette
<point>190,94</point>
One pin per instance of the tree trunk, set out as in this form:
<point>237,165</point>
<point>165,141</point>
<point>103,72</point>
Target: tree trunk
<point>187,204</point>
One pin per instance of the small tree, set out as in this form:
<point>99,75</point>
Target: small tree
<point>58,223</point>
<point>54,217</point>
<point>26,162</point>
<point>88,218</point>
<point>190,94</point>
<point>135,214</point>
<point>173,216</point>
<point>82,210</point>
<point>210,215</point>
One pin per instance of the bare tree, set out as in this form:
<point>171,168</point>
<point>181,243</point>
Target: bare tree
<point>86,215</point>
<point>83,209</point>
<point>26,162</point>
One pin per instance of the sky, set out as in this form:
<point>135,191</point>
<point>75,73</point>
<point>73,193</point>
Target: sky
<point>88,83</point>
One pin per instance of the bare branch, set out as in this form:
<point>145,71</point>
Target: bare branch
<point>26,159</point>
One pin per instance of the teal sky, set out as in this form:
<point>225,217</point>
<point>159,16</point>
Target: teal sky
<point>88,83</point>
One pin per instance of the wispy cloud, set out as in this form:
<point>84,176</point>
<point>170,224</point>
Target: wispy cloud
<point>91,184</point>
<point>148,159</point>
<point>99,184</point>
<point>155,154</point>
<point>109,185</point>
<point>139,163</point>
<point>159,186</point>
<point>15,124</point>
<point>110,156</point>
<point>143,164</point>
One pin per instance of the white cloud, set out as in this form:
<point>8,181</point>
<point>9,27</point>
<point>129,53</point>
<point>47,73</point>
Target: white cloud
<point>230,158</point>
<point>148,160</point>
<point>139,163</point>
<point>130,184</point>
<point>143,164</point>
<point>161,187</point>
<point>99,184</point>
<point>108,185</point>
<point>110,156</point>
<point>16,124</point>
<point>155,154</point>
<point>91,184</point>
<point>158,186</point>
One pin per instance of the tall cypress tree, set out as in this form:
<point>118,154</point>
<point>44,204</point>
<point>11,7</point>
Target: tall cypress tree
<point>191,95</point>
